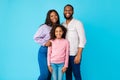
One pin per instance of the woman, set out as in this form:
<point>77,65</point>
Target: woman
<point>42,37</point>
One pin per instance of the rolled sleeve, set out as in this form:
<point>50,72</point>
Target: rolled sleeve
<point>81,35</point>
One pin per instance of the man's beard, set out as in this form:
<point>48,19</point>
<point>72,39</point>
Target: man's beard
<point>70,17</point>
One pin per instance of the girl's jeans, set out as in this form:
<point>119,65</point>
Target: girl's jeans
<point>57,73</point>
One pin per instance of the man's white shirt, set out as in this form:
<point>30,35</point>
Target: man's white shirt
<point>75,35</point>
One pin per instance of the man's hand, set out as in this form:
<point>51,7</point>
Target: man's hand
<point>78,56</point>
<point>77,59</point>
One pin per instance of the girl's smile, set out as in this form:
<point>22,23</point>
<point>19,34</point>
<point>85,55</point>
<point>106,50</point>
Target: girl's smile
<point>58,33</point>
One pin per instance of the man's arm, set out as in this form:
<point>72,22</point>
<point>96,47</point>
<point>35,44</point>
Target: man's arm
<point>82,42</point>
<point>78,56</point>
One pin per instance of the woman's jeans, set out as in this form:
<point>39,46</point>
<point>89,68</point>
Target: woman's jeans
<point>57,73</point>
<point>42,59</point>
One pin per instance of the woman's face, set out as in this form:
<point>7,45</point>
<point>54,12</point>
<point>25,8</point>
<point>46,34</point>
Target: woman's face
<point>53,17</point>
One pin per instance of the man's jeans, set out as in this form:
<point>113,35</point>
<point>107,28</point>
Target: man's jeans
<point>75,68</point>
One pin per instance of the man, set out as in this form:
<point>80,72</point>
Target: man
<point>77,40</point>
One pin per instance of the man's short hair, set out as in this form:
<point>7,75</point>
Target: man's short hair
<point>70,6</point>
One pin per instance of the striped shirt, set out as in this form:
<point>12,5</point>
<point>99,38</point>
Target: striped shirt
<point>42,35</point>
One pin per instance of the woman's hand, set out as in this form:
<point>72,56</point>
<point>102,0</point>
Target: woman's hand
<point>64,69</point>
<point>48,43</point>
<point>50,68</point>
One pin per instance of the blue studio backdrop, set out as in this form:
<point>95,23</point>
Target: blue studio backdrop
<point>20,19</point>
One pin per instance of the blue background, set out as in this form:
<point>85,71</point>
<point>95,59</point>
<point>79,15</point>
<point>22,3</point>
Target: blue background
<point>20,19</point>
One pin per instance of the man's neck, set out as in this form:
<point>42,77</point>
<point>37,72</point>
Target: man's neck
<point>68,20</point>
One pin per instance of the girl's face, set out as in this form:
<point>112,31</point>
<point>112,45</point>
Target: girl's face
<point>58,33</point>
<point>53,17</point>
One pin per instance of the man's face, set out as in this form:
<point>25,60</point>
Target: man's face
<point>68,12</point>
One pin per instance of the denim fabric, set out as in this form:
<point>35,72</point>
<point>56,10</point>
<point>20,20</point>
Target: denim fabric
<point>75,68</point>
<point>42,60</point>
<point>57,73</point>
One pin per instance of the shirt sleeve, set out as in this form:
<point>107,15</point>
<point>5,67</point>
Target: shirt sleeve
<point>41,36</point>
<point>49,55</point>
<point>67,54</point>
<point>81,34</point>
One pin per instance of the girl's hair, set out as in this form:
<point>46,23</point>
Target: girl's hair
<point>52,33</point>
<point>48,21</point>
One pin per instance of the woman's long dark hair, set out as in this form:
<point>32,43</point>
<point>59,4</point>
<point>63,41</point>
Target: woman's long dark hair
<point>48,21</point>
<point>52,33</point>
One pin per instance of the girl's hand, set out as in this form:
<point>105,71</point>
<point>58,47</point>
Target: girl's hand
<point>50,68</point>
<point>48,43</point>
<point>64,69</point>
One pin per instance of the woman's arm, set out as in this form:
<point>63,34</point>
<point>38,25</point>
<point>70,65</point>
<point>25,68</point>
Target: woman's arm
<point>41,36</point>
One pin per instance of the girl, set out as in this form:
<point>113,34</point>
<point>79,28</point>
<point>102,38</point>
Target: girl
<point>41,37</point>
<point>58,53</point>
